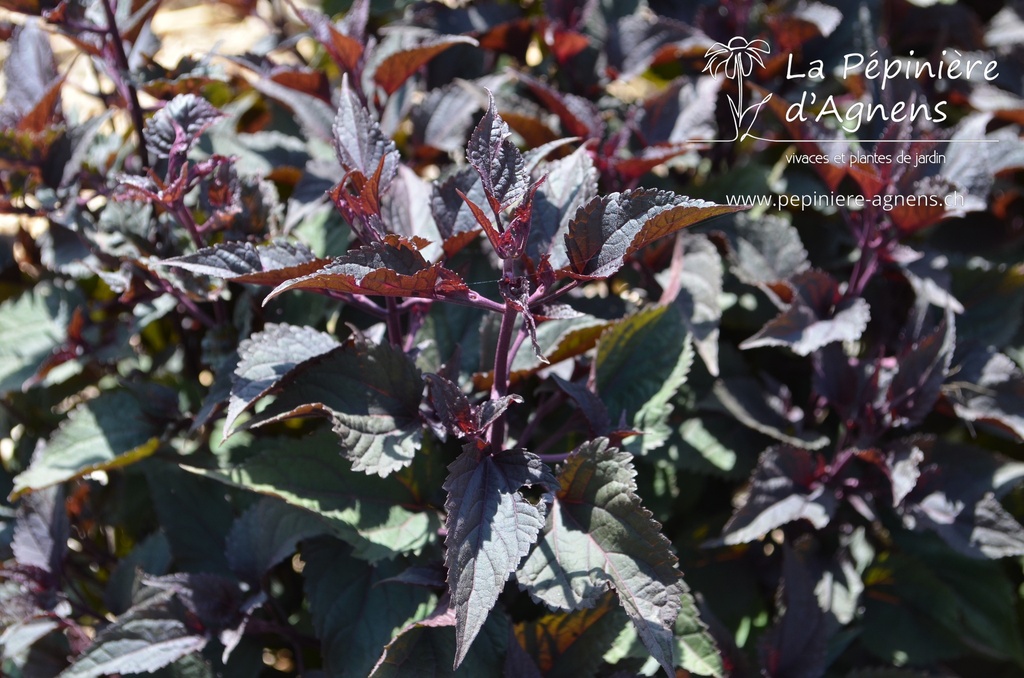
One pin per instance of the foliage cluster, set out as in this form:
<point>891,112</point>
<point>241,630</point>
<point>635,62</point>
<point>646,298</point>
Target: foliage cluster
<point>381,349</point>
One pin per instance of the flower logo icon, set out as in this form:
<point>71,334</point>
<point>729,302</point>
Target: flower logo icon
<point>736,60</point>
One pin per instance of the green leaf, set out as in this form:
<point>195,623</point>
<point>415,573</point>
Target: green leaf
<point>377,517</point>
<point>491,526</point>
<point>943,602</point>
<point>695,648</point>
<point>31,326</point>
<point>609,228</point>
<point>104,433</point>
<point>355,613</point>
<point>266,357</point>
<point>641,363</point>
<point>371,393</point>
<point>599,536</point>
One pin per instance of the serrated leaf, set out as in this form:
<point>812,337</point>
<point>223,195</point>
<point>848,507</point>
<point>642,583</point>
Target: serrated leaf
<point>176,126</point>
<point>571,183</point>
<point>267,533</point>
<point>268,356</point>
<point>817,316</point>
<point>766,413</point>
<point>140,646</point>
<point>571,644</point>
<point>371,393</point>
<point>377,517</point>
<point>359,142</point>
<point>609,228</point>
<point>784,487</point>
<point>269,264</point>
<point>393,267</point>
<point>405,50</point>
<point>110,431</point>
<point>491,526</point>
<point>31,327</point>
<point>41,531</point>
<point>497,160</point>
<point>354,612</point>
<point>599,536</point>
<point>957,497</point>
<point>641,363</point>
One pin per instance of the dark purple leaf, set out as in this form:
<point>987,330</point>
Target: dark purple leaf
<point>359,142</point>
<point>796,645</point>
<point>451,406</point>
<point>41,531</point>
<point>817,316</point>
<point>267,357</point>
<point>570,183</point>
<point>957,496</point>
<point>176,126</point>
<point>694,282</point>
<point>269,264</point>
<point>786,486</point>
<point>452,212</point>
<point>598,536</point>
<point>491,526</point>
<point>497,160</point>
<point>428,647</point>
<point>444,119</point>
<point>922,366</point>
<point>371,394</point>
<point>683,112</point>
<point>638,40</point>
<point>609,228</point>
<point>593,409</point>
<point>765,412</point>
<point>987,386</point>
<point>393,267</point>
<point>766,252</point>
